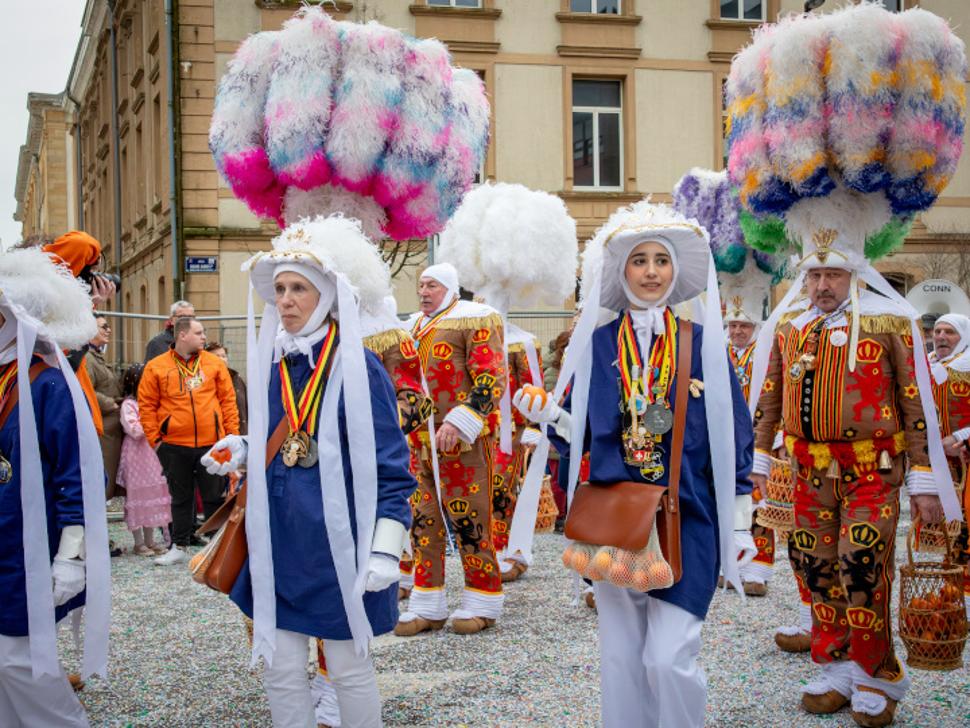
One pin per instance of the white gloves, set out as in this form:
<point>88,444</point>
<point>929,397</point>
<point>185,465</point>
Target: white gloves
<point>536,404</point>
<point>68,576</point>
<point>382,571</point>
<point>531,436</point>
<point>744,544</point>
<point>237,447</point>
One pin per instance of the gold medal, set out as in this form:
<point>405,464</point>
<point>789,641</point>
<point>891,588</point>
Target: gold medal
<point>295,446</point>
<point>193,383</point>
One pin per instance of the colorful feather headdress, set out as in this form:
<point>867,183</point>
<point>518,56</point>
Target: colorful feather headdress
<point>745,274</point>
<point>325,116</point>
<point>859,111</point>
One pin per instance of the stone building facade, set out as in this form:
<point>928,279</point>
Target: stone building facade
<point>598,101</point>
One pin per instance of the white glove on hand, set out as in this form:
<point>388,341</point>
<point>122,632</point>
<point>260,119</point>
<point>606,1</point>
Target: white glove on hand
<point>382,571</point>
<point>237,447</point>
<point>536,405</point>
<point>68,577</point>
<point>744,544</point>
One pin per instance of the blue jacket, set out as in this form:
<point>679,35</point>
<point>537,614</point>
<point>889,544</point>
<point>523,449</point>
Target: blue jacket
<point>307,593</point>
<point>699,534</point>
<point>61,465</point>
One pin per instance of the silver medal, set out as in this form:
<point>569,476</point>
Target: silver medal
<point>6,470</point>
<point>312,455</point>
<point>658,419</point>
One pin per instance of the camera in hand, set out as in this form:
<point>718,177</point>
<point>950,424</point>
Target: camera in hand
<point>88,275</point>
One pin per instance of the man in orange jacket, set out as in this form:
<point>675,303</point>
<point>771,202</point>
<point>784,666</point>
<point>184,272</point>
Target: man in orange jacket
<point>187,403</point>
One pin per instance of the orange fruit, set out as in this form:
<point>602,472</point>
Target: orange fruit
<point>223,455</point>
<point>581,559</point>
<point>600,565</point>
<point>620,573</point>
<point>641,580</point>
<point>535,394</point>
<point>660,574</point>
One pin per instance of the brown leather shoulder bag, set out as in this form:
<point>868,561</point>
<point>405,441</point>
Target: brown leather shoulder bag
<point>219,563</point>
<point>622,514</point>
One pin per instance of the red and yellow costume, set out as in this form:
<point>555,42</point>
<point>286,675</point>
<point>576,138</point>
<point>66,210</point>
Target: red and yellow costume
<point>847,432</point>
<point>460,351</point>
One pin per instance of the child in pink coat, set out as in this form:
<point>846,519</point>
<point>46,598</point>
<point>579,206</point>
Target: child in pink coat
<point>148,503</point>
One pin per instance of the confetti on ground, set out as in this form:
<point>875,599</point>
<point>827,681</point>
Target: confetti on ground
<point>179,657</point>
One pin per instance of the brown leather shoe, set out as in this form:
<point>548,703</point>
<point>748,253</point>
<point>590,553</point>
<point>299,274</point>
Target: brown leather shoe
<point>403,593</point>
<point>801,642</point>
<point>473,625</point>
<point>76,682</point>
<point>876,721</point>
<point>417,626</point>
<point>590,599</point>
<point>517,570</point>
<point>829,702</point>
<point>755,588</point>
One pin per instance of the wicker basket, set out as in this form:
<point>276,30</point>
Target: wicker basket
<point>548,511</point>
<point>932,616</point>
<point>930,538</point>
<point>777,510</point>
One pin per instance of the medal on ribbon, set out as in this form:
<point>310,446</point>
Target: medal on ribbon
<point>190,372</point>
<point>646,412</point>
<point>8,379</point>
<point>299,447</point>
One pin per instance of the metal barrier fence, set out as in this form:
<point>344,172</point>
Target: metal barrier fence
<point>129,339</point>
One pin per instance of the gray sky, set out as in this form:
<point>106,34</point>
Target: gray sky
<point>37,44</point>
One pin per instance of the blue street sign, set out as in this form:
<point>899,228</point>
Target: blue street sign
<point>205,264</point>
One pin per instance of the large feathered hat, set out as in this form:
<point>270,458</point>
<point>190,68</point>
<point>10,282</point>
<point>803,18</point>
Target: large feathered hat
<point>841,128</point>
<point>325,116</point>
<point>745,275</point>
<point>512,246</point>
<point>33,284</point>
<point>335,245</point>
<point>845,125</point>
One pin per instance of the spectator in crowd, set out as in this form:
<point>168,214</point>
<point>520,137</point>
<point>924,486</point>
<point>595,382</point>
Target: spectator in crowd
<point>148,502</point>
<point>107,390</point>
<point>186,403</point>
<point>163,341</point>
<point>238,384</point>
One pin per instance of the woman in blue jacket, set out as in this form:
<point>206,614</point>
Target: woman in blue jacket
<point>646,259</point>
<point>328,515</point>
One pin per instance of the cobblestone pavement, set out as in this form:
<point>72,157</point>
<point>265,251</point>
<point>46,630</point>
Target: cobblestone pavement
<point>179,657</point>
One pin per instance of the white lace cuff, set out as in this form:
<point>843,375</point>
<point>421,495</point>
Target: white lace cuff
<point>742,512</point>
<point>468,422</point>
<point>962,435</point>
<point>762,463</point>
<point>920,481</point>
<point>389,537</point>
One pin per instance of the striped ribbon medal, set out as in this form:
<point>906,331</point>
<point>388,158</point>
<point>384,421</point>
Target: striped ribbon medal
<point>299,447</point>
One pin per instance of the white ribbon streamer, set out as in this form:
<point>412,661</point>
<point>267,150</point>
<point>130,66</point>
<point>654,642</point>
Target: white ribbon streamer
<point>97,560</point>
<point>766,339</point>
<point>259,356</point>
<point>941,471</point>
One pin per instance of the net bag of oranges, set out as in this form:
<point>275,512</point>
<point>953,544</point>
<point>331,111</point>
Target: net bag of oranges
<point>932,617</point>
<point>643,570</point>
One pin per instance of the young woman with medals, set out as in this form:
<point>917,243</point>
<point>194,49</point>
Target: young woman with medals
<point>328,484</point>
<point>625,407</point>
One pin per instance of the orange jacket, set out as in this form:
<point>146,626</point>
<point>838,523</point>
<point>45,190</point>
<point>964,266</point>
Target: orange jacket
<point>173,414</point>
<point>84,379</point>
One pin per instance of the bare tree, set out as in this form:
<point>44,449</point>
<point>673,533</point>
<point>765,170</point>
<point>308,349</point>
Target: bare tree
<point>952,264</point>
<point>399,255</point>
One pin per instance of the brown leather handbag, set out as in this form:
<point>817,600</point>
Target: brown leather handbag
<point>622,514</point>
<point>219,563</point>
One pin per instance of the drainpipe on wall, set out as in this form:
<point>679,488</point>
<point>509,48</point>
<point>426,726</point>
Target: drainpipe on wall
<point>174,188</point>
<point>78,160</point>
<point>116,142</point>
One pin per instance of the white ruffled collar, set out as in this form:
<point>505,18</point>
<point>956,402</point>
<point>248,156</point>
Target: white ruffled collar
<point>287,343</point>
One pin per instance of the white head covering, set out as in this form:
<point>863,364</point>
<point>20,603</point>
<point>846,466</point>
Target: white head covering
<point>313,330</point>
<point>603,284</point>
<point>961,324</point>
<point>332,250</point>
<point>447,276</point>
<point>45,308</point>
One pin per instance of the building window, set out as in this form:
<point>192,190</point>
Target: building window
<point>597,134</point>
<point>456,3</point>
<point>743,9</point>
<point>608,7</point>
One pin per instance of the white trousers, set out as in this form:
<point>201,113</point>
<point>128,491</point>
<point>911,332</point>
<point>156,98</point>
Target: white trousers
<point>648,662</point>
<point>26,702</point>
<point>288,686</point>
